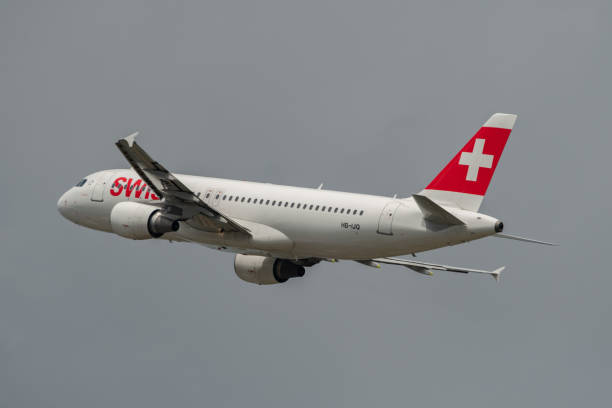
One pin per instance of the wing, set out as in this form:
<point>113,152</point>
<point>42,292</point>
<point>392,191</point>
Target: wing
<point>434,212</point>
<point>426,268</point>
<point>517,238</point>
<point>179,201</point>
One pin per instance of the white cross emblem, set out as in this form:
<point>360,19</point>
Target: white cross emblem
<point>476,159</point>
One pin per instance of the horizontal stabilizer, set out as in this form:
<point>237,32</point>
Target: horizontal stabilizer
<point>533,241</point>
<point>434,212</point>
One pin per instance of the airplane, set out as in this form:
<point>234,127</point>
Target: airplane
<point>277,231</point>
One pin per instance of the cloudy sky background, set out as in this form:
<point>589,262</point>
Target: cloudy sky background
<point>365,96</point>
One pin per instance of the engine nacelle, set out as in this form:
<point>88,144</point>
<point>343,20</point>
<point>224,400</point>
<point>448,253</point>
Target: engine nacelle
<point>264,270</point>
<point>140,221</point>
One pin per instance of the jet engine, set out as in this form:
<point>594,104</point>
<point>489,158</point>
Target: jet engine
<point>264,270</point>
<point>140,221</point>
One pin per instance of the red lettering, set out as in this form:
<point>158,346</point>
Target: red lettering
<point>139,191</point>
<point>118,186</point>
<point>130,187</point>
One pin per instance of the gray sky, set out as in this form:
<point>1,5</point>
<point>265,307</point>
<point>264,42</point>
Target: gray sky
<point>370,97</point>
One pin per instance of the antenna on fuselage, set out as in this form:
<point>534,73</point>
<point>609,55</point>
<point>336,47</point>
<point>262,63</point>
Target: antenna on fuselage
<point>320,186</point>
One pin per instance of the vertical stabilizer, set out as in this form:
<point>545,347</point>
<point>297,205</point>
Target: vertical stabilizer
<point>465,179</point>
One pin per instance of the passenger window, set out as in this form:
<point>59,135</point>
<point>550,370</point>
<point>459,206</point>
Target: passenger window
<point>298,206</point>
<point>310,207</point>
<point>348,211</point>
<point>267,202</point>
<point>342,211</point>
<point>336,210</point>
<point>231,198</point>
<point>280,203</point>
<point>317,208</point>
<point>224,197</point>
<point>217,197</point>
<point>261,201</point>
<point>292,204</point>
<point>361,212</point>
<point>323,209</point>
<point>274,202</point>
<point>249,200</point>
<point>207,195</point>
<point>286,203</point>
<point>354,212</point>
<point>329,209</point>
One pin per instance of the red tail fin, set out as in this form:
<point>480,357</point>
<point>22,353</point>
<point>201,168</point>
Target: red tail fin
<point>465,179</point>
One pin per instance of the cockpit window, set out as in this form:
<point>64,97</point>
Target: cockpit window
<point>80,183</point>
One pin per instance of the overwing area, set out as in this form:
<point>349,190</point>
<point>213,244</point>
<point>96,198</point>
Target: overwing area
<point>179,201</point>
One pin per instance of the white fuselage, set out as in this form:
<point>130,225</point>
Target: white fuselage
<point>308,223</point>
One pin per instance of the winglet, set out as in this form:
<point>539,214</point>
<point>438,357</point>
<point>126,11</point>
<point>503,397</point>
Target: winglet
<point>130,139</point>
<point>497,273</point>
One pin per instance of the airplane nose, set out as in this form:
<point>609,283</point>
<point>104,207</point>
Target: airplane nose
<point>62,205</point>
